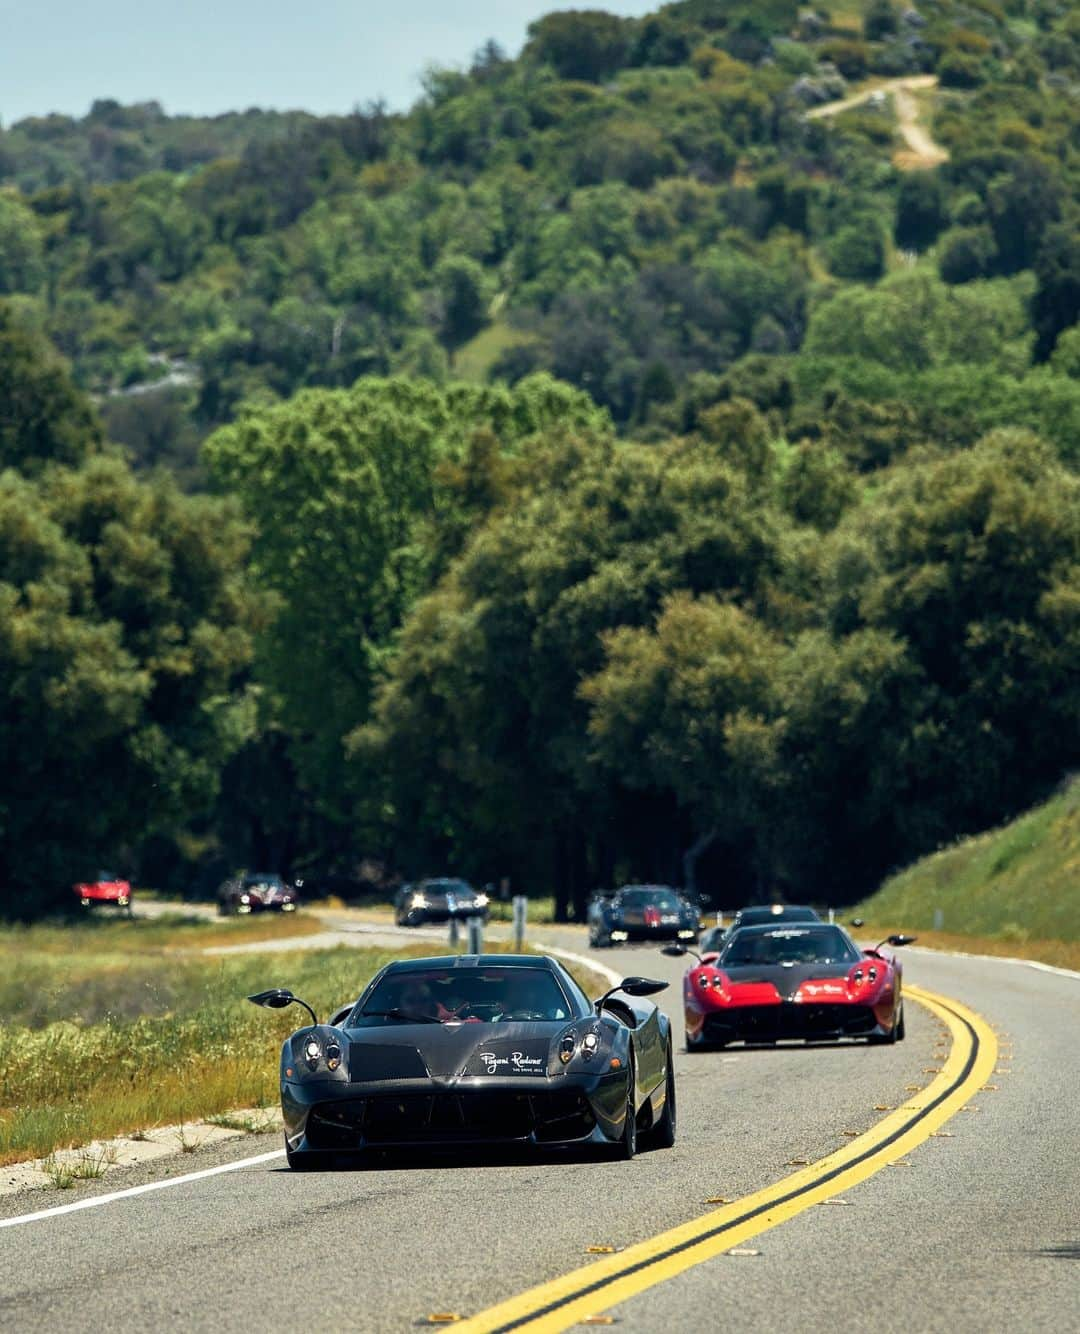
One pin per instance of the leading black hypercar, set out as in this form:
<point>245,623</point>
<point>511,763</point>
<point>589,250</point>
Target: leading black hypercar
<point>478,1049</point>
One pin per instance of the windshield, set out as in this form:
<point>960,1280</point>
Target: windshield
<point>766,916</point>
<point>107,877</point>
<point>821,944</point>
<point>445,887</point>
<point>663,899</point>
<point>274,881</point>
<point>457,995</point>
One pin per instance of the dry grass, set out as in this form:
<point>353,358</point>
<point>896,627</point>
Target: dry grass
<point>1060,953</point>
<point>66,1082</point>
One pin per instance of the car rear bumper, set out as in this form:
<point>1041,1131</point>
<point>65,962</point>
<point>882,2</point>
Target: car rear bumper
<point>438,916</point>
<point>634,935</point>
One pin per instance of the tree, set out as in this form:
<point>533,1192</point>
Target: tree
<point>43,417</point>
<point>358,498</point>
<point>125,633</point>
<point>921,210</point>
<point>464,291</point>
<point>580,43</point>
<point>1056,304</point>
<point>857,251</point>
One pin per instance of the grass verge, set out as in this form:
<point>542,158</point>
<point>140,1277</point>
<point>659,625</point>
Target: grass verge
<point>195,1049</point>
<point>1013,890</point>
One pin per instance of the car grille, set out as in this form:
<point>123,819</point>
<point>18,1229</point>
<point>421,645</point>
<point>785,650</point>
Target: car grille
<point>371,1061</point>
<point>447,1118</point>
<point>791,1020</point>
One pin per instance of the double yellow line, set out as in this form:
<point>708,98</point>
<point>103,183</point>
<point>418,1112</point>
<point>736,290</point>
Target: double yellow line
<point>597,1287</point>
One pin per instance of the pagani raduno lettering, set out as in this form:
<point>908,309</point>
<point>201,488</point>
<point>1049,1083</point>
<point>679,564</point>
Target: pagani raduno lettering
<point>794,981</point>
<point>478,1049</point>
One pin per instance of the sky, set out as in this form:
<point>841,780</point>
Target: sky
<point>207,56</point>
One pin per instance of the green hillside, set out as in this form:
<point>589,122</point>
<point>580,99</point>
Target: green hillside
<point>653,455</point>
<point>1019,883</point>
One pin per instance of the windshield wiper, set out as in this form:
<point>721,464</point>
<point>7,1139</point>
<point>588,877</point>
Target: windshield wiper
<point>406,1016</point>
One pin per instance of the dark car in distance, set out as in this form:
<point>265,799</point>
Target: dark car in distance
<point>642,912</point>
<point>478,1049</point>
<point>439,899</point>
<point>762,914</point>
<point>257,891</point>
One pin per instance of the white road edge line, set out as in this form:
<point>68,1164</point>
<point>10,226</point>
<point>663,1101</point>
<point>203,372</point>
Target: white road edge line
<point>97,1200</point>
<point>997,958</point>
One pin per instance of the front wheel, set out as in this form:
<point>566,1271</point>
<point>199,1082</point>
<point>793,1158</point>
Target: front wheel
<point>662,1135</point>
<point>626,1146</point>
<point>307,1162</point>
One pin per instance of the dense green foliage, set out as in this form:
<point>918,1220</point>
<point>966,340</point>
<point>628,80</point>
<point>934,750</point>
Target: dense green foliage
<point>632,465</point>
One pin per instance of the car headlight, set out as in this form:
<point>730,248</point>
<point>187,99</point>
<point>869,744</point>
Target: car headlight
<point>418,901</point>
<point>313,1053</point>
<point>482,900</point>
<point>245,898</point>
<point>579,1045</point>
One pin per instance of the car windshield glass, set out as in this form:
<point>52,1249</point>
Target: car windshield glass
<point>822,944</point>
<point>274,881</point>
<point>765,916</point>
<point>445,887</point>
<point>649,898</point>
<point>459,995</point>
<point>107,877</point>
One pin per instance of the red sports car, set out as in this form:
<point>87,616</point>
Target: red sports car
<point>807,981</point>
<point>107,887</point>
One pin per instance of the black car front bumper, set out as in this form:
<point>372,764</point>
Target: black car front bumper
<point>767,1023</point>
<point>333,1116</point>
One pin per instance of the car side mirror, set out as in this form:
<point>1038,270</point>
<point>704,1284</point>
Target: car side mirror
<point>674,951</point>
<point>902,940</point>
<point>278,998</point>
<point>275,999</point>
<point>857,921</point>
<point>642,986</point>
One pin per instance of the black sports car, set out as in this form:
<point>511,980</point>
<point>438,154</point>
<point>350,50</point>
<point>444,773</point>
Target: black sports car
<point>438,900</point>
<point>478,1049</point>
<point>642,912</point>
<point>768,914</point>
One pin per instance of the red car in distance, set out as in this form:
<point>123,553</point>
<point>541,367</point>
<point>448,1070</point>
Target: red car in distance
<point>107,887</point>
<point>801,980</point>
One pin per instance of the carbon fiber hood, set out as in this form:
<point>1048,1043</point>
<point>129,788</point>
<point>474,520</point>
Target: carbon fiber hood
<point>787,979</point>
<point>448,1051</point>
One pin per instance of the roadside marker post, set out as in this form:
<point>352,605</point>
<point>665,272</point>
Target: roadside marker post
<point>454,934</point>
<point>476,935</point>
<point>521,910</point>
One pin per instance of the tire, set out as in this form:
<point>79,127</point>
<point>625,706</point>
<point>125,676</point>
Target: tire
<point>901,1032</point>
<point>694,1045</point>
<point>887,1039</point>
<point>626,1147</point>
<point>662,1135</point>
<point>307,1162</point>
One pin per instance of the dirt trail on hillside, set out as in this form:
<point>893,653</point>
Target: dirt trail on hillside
<point>922,151</point>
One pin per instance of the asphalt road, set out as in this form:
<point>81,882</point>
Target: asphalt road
<point>981,1231</point>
